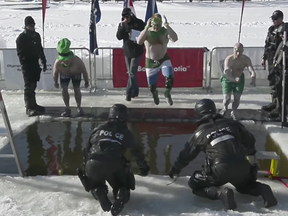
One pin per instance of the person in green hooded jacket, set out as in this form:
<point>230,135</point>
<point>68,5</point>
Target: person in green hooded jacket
<point>69,67</point>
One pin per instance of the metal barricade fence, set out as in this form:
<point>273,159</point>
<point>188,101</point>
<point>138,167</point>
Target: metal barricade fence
<point>51,55</point>
<point>103,66</point>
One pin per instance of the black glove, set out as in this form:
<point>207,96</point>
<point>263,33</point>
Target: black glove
<point>251,152</point>
<point>284,48</point>
<point>173,171</point>
<point>44,68</point>
<point>144,171</point>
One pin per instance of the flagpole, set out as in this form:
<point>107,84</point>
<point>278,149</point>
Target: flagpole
<point>240,25</point>
<point>152,7</point>
<point>43,33</point>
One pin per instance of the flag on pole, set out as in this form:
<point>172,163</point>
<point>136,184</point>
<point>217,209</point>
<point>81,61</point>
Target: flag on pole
<point>241,17</point>
<point>129,4</point>
<point>151,9</point>
<point>95,16</point>
<point>44,5</point>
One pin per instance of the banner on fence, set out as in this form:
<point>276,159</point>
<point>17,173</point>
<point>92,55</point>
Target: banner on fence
<point>13,73</point>
<point>254,53</point>
<point>187,64</point>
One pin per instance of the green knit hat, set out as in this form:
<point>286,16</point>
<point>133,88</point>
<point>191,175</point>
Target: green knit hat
<point>63,49</point>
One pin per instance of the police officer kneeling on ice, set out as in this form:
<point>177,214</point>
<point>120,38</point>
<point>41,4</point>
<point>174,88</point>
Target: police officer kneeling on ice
<point>104,161</point>
<point>226,144</point>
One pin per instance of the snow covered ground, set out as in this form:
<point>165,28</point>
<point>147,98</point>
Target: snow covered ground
<point>197,24</point>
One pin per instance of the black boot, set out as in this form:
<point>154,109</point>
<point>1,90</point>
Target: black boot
<point>269,107</point>
<point>38,107</point>
<point>32,112</point>
<point>226,195</point>
<point>100,194</point>
<point>30,108</point>
<point>274,114</point>
<point>267,195</point>
<point>122,197</point>
<point>154,92</point>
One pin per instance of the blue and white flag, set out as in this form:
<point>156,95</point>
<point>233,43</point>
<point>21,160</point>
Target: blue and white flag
<point>151,9</point>
<point>95,17</point>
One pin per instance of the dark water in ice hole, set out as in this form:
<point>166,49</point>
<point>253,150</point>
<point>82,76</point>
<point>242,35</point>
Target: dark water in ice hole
<point>46,147</point>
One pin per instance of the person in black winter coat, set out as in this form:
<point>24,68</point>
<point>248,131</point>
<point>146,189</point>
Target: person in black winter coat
<point>104,160</point>
<point>226,144</point>
<point>132,51</point>
<point>29,51</point>
<point>272,41</point>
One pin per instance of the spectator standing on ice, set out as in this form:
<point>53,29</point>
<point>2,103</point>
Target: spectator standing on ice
<point>273,39</point>
<point>156,38</point>
<point>29,51</point>
<point>233,79</point>
<point>69,67</point>
<point>226,144</point>
<point>133,52</point>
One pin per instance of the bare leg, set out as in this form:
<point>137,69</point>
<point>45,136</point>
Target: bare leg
<point>78,97</point>
<point>226,102</point>
<point>236,101</point>
<point>235,105</point>
<point>65,96</point>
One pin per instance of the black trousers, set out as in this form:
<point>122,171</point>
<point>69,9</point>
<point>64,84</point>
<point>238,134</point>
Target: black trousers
<point>101,168</point>
<point>132,64</point>
<point>278,88</point>
<point>30,86</point>
<point>31,76</point>
<point>242,176</point>
<point>272,84</point>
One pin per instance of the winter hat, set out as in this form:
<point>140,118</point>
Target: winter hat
<point>63,49</point>
<point>29,21</point>
<point>277,14</point>
<point>126,12</point>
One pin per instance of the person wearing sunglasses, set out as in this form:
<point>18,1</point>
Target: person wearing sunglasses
<point>29,51</point>
<point>272,41</point>
<point>133,52</point>
<point>69,67</point>
<point>233,78</point>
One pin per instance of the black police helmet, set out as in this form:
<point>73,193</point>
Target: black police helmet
<point>204,107</point>
<point>118,112</point>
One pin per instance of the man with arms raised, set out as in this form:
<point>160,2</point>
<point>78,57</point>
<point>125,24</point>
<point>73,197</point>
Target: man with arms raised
<point>70,67</point>
<point>233,79</point>
<point>156,37</point>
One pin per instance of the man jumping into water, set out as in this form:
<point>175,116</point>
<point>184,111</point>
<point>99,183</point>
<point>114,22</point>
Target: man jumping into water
<point>156,37</point>
<point>233,79</point>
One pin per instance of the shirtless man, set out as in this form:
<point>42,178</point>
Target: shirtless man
<point>70,67</point>
<point>156,37</point>
<point>233,79</point>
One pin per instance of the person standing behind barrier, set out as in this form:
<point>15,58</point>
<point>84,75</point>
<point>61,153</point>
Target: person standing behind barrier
<point>30,50</point>
<point>70,67</point>
<point>156,38</point>
<point>233,79</point>
<point>272,41</point>
<point>132,51</point>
